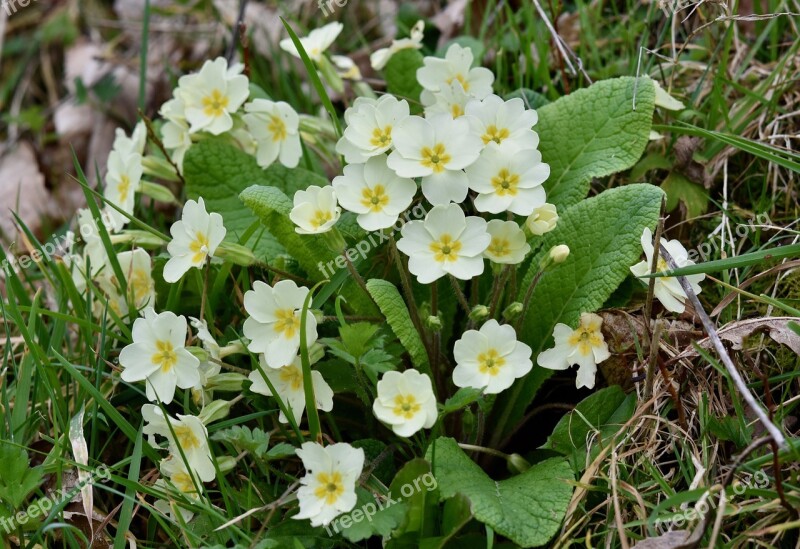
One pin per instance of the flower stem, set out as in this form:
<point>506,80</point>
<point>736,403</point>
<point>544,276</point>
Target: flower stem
<point>497,291</point>
<point>405,281</point>
<point>462,299</point>
<point>527,301</point>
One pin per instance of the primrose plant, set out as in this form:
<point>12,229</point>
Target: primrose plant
<point>466,265</point>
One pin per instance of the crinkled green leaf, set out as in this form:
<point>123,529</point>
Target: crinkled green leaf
<point>526,508</point>
<point>593,132</point>
<point>603,234</point>
<point>391,304</point>
<point>401,75</point>
<point>601,414</point>
<point>18,478</point>
<point>218,171</point>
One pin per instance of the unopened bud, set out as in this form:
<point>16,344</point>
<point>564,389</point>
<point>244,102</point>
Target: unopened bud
<point>512,311</point>
<point>518,464</point>
<point>235,253</point>
<point>479,312</point>
<point>542,220</point>
<point>157,192</point>
<point>434,323</point>
<point>559,253</point>
<point>213,411</point>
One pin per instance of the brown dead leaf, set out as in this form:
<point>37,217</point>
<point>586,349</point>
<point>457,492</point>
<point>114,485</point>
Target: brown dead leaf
<point>737,332</point>
<point>22,189</point>
<point>670,540</point>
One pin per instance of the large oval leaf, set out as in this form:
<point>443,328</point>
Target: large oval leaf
<point>527,508</point>
<point>593,132</point>
<point>603,234</point>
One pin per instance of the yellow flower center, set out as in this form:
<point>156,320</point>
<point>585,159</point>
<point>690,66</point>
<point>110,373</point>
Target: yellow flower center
<point>292,376</point>
<point>277,128</point>
<point>320,218</point>
<point>585,338</point>
<point>493,133</point>
<point>139,286</point>
<point>457,110</point>
<point>445,249</point>
<point>490,362</point>
<point>381,137</point>
<point>186,438</point>
<point>330,487</point>
<point>461,80</point>
<point>505,183</point>
<point>406,406</point>
<point>165,356</point>
<point>375,199</point>
<point>287,324</point>
<point>124,187</point>
<point>200,247</point>
<point>215,103</point>
<point>662,265</point>
<point>499,247</point>
<point>183,482</point>
<point>435,158</point>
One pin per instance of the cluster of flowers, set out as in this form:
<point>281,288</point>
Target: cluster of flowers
<point>468,139</point>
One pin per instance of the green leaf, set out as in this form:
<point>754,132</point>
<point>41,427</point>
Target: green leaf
<point>356,526</point>
<point>730,429</point>
<point>532,99</point>
<point>744,260</point>
<point>356,337</point>
<point>593,132</point>
<point>603,234</point>
<point>421,503</point>
<point>391,304</point>
<point>242,438</point>
<point>401,75</point>
<point>527,508</point>
<point>19,479</point>
<point>280,451</point>
<point>601,413</point>
<point>680,189</point>
<point>463,398</point>
<point>218,171</point>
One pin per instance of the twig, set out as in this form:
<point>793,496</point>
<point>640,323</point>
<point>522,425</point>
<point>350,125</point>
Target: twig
<point>562,46</point>
<point>748,397</point>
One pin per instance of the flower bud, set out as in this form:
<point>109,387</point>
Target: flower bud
<point>559,253</point>
<point>225,463</point>
<point>542,220</point>
<point>213,411</point>
<point>235,253</point>
<point>434,323</point>
<point>157,192</point>
<point>228,381</point>
<point>512,311</point>
<point>479,313</point>
<point>518,464</point>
